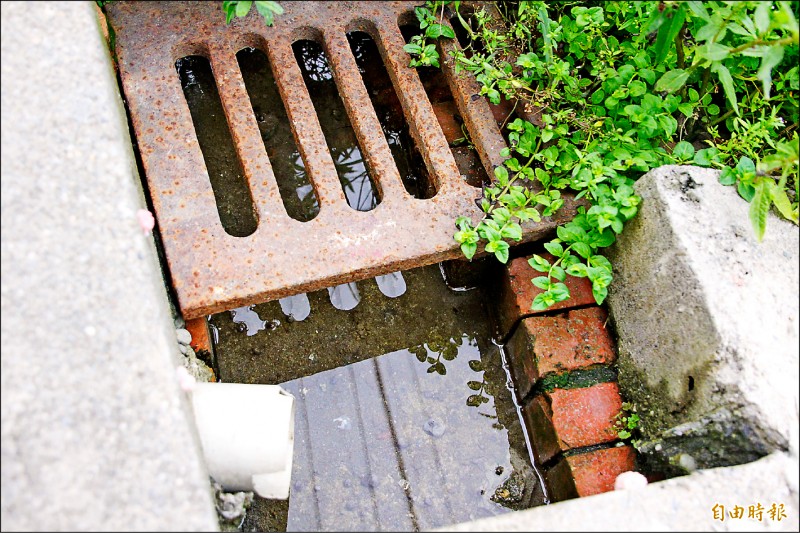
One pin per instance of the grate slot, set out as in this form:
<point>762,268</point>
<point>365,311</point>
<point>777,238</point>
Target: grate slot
<point>364,121</point>
<point>296,190</point>
<point>351,166</point>
<point>307,130</point>
<point>231,193</point>
<point>417,108</point>
<point>386,105</point>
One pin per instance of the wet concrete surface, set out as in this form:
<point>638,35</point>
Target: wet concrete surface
<point>404,419</point>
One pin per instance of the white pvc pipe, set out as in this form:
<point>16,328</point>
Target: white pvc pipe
<point>247,435</point>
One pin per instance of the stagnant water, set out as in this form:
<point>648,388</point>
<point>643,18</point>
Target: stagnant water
<point>404,416</point>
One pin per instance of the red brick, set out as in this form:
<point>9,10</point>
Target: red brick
<point>201,340</point>
<point>588,473</point>
<point>446,115</point>
<point>517,293</point>
<point>564,419</point>
<point>545,345</point>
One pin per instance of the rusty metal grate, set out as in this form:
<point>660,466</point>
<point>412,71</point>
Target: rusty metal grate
<point>212,270</point>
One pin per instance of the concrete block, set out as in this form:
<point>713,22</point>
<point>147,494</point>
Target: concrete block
<point>96,434</point>
<point>707,323</point>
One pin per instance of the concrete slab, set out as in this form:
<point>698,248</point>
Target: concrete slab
<point>95,434</point>
<point>707,320</point>
<point>684,503</point>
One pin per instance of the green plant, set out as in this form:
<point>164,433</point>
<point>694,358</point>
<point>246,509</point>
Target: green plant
<point>626,421</point>
<point>421,47</point>
<point>615,89</point>
<point>240,8</point>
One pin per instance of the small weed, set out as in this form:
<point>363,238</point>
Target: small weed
<point>627,421</point>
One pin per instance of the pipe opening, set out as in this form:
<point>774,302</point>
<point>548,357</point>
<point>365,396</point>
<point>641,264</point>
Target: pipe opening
<point>234,201</point>
<point>297,192</point>
<point>359,188</point>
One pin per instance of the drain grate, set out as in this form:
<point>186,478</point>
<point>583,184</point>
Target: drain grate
<point>213,270</point>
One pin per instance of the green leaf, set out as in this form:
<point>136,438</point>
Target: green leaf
<point>412,48</point>
<point>542,302</point>
<point>684,151</point>
<point>434,31</point>
<point>468,249</point>
<point>715,51</point>
<point>539,263</point>
<point>672,80</point>
<point>704,158</point>
<point>727,176</point>
<point>559,292</point>
<point>699,10</point>
<point>268,9</point>
<point>782,203</point>
<point>542,282</point>
<point>558,273</point>
<point>771,59</point>
<point>746,165</point>
<point>599,293</point>
<point>243,7</point>
<point>686,108</point>
<point>501,253</point>
<point>727,84</point>
<point>582,249</point>
<point>502,175</point>
<point>745,190</point>
<point>667,33</point>
<point>554,248</point>
<point>578,270</point>
<point>512,230</point>
<point>759,208</point>
<point>761,16</point>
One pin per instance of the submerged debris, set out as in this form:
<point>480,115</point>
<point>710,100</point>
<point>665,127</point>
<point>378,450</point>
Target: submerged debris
<point>511,491</point>
<point>231,507</point>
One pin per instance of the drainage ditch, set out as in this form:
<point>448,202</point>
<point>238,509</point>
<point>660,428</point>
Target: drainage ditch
<point>406,413</point>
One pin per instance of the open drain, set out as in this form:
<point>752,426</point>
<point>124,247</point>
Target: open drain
<point>277,256</point>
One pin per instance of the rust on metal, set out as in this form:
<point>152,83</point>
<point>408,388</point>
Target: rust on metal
<point>213,271</point>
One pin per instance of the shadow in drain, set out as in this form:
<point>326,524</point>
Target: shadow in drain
<point>404,417</point>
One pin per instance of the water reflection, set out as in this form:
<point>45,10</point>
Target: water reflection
<point>296,308</point>
<point>389,111</point>
<point>392,284</point>
<point>231,191</point>
<point>385,444</point>
<point>344,297</point>
<point>248,320</point>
